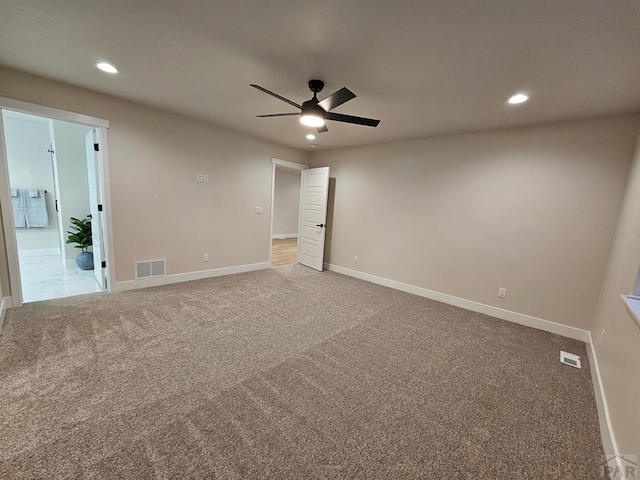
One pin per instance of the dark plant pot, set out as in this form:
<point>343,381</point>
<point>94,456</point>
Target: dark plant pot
<point>84,260</point>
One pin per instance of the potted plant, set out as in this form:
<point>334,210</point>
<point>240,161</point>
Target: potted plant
<point>80,234</point>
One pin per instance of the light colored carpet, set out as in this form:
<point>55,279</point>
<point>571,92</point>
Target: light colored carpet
<point>287,373</point>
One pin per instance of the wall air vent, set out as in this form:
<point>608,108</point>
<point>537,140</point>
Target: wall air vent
<point>151,268</point>
<point>570,359</point>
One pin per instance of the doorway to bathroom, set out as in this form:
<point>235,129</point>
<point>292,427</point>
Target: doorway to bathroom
<point>53,189</point>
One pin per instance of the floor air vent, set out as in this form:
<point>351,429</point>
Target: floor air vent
<point>570,359</point>
<point>151,268</point>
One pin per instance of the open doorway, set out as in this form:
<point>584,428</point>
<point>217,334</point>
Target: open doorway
<point>49,167</point>
<point>285,212</point>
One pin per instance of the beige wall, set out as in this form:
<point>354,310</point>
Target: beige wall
<point>28,140</point>
<point>619,353</point>
<point>158,208</point>
<point>73,179</point>
<point>286,203</point>
<point>530,209</point>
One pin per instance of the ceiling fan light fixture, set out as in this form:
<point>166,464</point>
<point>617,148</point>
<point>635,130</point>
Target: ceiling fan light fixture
<point>312,115</point>
<point>311,120</point>
<point>315,112</point>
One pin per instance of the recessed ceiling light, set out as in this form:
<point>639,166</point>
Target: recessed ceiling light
<point>311,136</point>
<point>106,67</point>
<point>518,98</point>
<point>313,145</point>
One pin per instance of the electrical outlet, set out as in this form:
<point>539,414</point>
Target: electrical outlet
<point>356,259</point>
<point>206,257</point>
<point>205,178</point>
<point>601,337</point>
<point>502,292</point>
<point>199,177</point>
<point>258,210</point>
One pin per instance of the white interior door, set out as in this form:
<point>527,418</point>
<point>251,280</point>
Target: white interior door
<point>313,217</point>
<point>93,169</point>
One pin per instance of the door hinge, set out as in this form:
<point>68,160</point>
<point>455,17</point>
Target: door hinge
<point>99,207</point>
<point>104,264</point>
<point>96,147</point>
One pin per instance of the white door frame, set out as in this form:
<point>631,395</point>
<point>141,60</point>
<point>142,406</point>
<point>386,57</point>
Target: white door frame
<point>282,163</point>
<point>102,127</point>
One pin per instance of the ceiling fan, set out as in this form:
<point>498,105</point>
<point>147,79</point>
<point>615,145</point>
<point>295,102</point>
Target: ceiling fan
<point>314,112</point>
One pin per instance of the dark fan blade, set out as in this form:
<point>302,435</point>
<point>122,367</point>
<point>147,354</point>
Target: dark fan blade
<point>369,122</point>
<point>279,97</point>
<point>322,129</point>
<point>336,99</point>
<point>277,115</point>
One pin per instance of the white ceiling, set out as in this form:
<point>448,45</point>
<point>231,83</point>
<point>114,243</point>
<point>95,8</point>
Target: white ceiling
<point>422,67</point>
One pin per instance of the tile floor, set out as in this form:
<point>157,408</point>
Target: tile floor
<point>45,277</point>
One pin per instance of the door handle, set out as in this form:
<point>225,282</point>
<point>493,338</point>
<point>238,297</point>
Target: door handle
<point>320,225</point>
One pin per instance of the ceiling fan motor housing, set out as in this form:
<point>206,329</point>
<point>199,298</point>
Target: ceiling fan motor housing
<point>316,86</point>
<point>311,107</point>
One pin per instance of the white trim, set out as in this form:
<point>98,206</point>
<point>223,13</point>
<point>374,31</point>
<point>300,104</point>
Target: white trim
<point>107,223</point>
<point>5,305</point>
<point>515,317</point>
<point>606,428</point>
<point>187,277</point>
<point>49,112</point>
<point>8,224</point>
<point>282,163</point>
<point>38,252</point>
<point>288,164</point>
<point>284,235</point>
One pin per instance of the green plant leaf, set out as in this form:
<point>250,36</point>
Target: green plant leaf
<point>80,233</point>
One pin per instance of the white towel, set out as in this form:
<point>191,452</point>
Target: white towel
<point>33,193</point>
<point>35,209</point>
<point>17,202</point>
<point>14,192</point>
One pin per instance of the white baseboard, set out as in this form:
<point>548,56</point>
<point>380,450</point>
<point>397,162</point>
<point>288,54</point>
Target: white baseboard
<point>606,429</point>
<point>5,304</point>
<point>284,235</point>
<point>187,277</point>
<point>520,318</point>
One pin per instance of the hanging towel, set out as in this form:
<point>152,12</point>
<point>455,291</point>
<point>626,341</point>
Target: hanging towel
<point>17,202</point>
<point>33,193</point>
<point>14,192</point>
<point>35,209</point>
